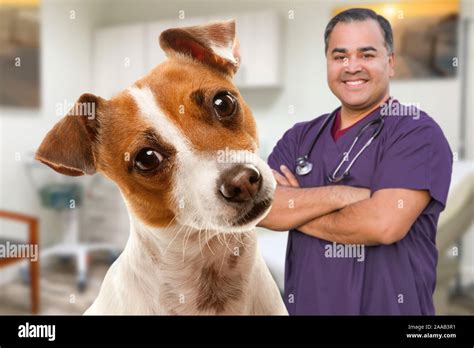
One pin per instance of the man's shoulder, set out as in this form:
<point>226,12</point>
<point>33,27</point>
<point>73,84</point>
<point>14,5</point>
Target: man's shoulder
<point>401,118</point>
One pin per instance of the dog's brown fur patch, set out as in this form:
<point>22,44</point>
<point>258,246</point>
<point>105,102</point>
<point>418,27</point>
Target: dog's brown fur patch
<point>173,85</point>
<point>215,290</point>
<point>149,197</point>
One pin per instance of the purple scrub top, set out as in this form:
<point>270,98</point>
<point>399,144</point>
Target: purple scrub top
<point>411,152</point>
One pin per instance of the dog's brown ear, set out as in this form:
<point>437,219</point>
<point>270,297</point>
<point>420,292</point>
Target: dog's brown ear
<point>68,147</point>
<point>214,44</point>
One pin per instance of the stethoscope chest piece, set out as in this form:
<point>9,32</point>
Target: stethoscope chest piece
<point>303,167</point>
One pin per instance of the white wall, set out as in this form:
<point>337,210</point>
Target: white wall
<point>65,67</point>
<point>66,73</point>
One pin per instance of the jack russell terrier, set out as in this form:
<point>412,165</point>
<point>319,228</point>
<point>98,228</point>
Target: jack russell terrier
<point>180,144</point>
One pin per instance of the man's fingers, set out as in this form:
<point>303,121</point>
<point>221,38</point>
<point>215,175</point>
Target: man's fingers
<point>289,176</point>
<point>281,180</point>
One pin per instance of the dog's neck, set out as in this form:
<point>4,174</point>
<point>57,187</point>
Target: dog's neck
<point>195,271</point>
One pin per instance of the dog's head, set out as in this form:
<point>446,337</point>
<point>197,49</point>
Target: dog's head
<point>180,143</point>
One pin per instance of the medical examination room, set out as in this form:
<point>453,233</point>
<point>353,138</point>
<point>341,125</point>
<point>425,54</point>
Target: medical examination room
<point>60,234</point>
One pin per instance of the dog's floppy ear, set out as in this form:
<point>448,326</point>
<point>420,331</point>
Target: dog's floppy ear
<point>214,44</point>
<point>68,147</point>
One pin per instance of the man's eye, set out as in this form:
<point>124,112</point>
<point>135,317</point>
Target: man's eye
<point>368,56</point>
<point>147,160</point>
<point>224,104</point>
<point>339,58</point>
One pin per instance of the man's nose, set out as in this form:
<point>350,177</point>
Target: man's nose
<point>352,65</point>
<point>240,183</point>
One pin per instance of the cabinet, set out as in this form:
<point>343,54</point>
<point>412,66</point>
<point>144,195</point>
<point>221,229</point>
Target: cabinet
<point>118,58</point>
<point>123,54</point>
<point>260,48</point>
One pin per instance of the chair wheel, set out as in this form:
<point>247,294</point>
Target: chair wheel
<point>64,259</point>
<point>25,275</point>
<point>82,285</point>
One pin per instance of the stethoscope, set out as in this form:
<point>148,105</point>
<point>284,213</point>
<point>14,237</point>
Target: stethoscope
<point>304,167</point>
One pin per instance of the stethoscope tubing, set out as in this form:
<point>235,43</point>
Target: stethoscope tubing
<point>304,167</point>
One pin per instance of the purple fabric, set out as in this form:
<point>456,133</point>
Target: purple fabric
<point>399,279</point>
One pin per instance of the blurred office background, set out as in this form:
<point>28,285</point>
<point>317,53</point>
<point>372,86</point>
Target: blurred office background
<point>53,51</point>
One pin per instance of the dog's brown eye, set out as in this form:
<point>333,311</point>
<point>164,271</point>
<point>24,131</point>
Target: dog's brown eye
<point>224,104</point>
<point>147,159</point>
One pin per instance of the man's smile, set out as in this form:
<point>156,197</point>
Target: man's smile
<point>355,83</point>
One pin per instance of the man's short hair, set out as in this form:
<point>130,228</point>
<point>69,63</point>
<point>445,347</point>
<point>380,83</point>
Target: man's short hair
<point>359,15</point>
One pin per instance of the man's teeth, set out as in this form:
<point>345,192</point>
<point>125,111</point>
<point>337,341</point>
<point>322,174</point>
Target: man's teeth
<point>354,83</point>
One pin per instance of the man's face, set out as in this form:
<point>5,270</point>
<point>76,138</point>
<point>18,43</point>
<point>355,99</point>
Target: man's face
<point>358,64</point>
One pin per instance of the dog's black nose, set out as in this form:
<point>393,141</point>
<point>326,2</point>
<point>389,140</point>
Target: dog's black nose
<point>240,183</point>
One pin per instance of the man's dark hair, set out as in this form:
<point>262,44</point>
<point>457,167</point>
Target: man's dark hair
<point>359,15</point>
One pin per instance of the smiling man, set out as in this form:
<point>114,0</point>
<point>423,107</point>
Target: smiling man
<point>363,205</point>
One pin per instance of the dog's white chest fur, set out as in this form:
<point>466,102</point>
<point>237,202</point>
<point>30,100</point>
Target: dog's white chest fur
<point>178,271</point>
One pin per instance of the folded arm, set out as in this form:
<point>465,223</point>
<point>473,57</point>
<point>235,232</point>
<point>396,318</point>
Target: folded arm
<point>294,206</point>
<point>385,218</point>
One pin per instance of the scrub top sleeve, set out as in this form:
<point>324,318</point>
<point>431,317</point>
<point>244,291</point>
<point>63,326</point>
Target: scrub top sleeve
<point>418,158</point>
<point>284,151</point>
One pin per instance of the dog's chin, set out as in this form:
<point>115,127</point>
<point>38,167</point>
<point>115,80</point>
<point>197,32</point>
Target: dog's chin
<point>246,220</point>
<point>254,215</point>
<point>241,221</point>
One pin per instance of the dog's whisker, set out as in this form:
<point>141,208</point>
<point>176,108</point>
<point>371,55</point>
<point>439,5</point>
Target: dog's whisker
<point>224,237</point>
<point>238,238</point>
<point>186,241</point>
<point>226,221</point>
<point>172,240</point>
<point>171,221</point>
<point>183,243</point>
<point>210,240</point>
<point>219,239</point>
<point>235,237</point>
<point>217,233</point>
<point>199,238</point>
<point>241,240</point>
<point>245,245</point>
<point>207,239</point>
<point>186,236</point>
<point>222,262</point>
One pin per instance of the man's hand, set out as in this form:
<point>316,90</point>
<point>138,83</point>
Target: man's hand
<point>294,206</point>
<point>288,179</point>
